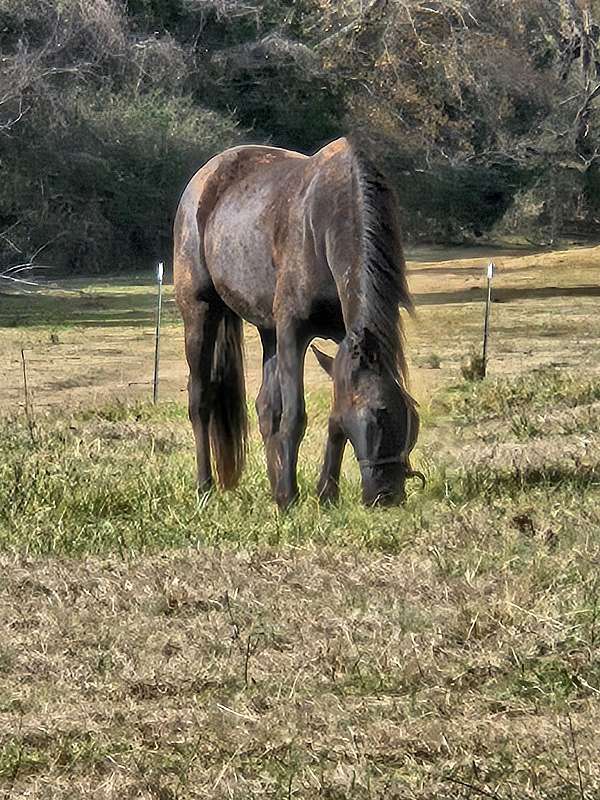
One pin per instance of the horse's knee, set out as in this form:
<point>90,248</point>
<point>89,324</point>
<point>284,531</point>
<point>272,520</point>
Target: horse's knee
<point>268,407</point>
<point>261,403</point>
<point>268,416</point>
<point>264,420</point>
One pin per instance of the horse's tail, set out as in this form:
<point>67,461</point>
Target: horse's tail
<point>229,421</point>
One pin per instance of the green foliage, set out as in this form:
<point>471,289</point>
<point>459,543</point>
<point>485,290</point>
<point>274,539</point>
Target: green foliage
<point>162,13</point>
<point>483,121</point>
<point>454,203</point>
<point>109,177</point>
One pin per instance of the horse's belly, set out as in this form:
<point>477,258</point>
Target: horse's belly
<point>239,259</point>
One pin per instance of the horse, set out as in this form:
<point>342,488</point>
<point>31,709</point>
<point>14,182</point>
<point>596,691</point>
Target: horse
<point>300,247</point>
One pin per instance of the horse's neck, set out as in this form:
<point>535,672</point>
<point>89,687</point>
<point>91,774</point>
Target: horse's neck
<point>360,313</point>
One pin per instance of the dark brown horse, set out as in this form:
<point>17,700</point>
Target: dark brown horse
<point>300,247</point>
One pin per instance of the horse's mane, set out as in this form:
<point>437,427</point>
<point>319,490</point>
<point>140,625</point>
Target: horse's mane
<point>384,269</point>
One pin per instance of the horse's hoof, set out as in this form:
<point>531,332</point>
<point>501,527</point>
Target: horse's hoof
<point>285,502</point>
<point>204,492</point>
<point>329,498</point>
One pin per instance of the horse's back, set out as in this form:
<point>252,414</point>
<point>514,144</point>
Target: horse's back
<point>220,172</point>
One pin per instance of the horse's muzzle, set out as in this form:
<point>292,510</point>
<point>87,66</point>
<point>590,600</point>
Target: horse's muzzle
<point>373,494</point>
<point>376,492</point>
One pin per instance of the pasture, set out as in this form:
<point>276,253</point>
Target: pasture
<point>155,647</point>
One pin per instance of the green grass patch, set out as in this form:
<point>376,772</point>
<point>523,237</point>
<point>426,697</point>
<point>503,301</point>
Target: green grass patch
<point>121,479</point>
<point>546,388</point>
<point>110,306</point>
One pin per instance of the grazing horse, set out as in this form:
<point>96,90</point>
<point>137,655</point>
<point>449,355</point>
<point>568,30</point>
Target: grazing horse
<point>301,247</point>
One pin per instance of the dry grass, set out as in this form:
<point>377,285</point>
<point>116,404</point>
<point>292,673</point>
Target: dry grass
<point>94,343</point>
<point>299,673</point>
<point>152,648</point>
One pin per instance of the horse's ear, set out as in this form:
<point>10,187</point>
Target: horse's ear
<point>324,360</point>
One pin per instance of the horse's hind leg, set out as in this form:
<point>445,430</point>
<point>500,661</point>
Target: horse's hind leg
<point>291,349</point>
<point>201,322</point>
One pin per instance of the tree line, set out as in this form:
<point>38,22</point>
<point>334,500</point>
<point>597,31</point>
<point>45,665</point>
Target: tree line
<point>483,112</point>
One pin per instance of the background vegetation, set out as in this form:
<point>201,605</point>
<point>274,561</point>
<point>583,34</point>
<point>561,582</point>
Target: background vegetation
<point>483,111</point>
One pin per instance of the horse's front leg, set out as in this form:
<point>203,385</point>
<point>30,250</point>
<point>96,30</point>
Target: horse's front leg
<point>328,488</point>
<point>290,372</point>
<point>268,406</point>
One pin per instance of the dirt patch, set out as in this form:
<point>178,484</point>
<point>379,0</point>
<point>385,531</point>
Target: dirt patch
<point>72,363</point>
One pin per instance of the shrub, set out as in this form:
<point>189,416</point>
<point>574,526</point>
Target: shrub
<point>109,173</point>
<point>473,369</point>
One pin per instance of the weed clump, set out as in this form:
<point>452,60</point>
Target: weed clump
<point>433,361</point>
<point>473,368</point>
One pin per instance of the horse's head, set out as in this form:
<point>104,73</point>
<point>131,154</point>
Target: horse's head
<point>376,413</point>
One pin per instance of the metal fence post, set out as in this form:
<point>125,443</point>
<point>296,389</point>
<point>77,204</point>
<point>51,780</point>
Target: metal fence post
<point>28,404</point>
<point>488,303</point>
<point>159,279</point>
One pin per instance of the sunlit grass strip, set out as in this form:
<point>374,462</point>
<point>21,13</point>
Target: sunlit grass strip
<point>121,479</point>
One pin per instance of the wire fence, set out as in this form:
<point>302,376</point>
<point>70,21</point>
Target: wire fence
<point>82,343</point>
<point>79,371</point>
<point>70,347</point>
<point>109,343</point>
<point>79,343</point>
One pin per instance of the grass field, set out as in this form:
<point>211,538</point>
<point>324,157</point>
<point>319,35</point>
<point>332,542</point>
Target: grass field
<point>152,647</point>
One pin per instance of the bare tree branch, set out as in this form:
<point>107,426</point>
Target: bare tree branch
<point>356,22</point>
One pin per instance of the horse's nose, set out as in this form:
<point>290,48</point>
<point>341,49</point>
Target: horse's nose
<point>382,496</point>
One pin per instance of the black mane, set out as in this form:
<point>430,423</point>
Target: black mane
<point>384,284</point>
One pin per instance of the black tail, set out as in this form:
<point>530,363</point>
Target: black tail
<point>229,421</point>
